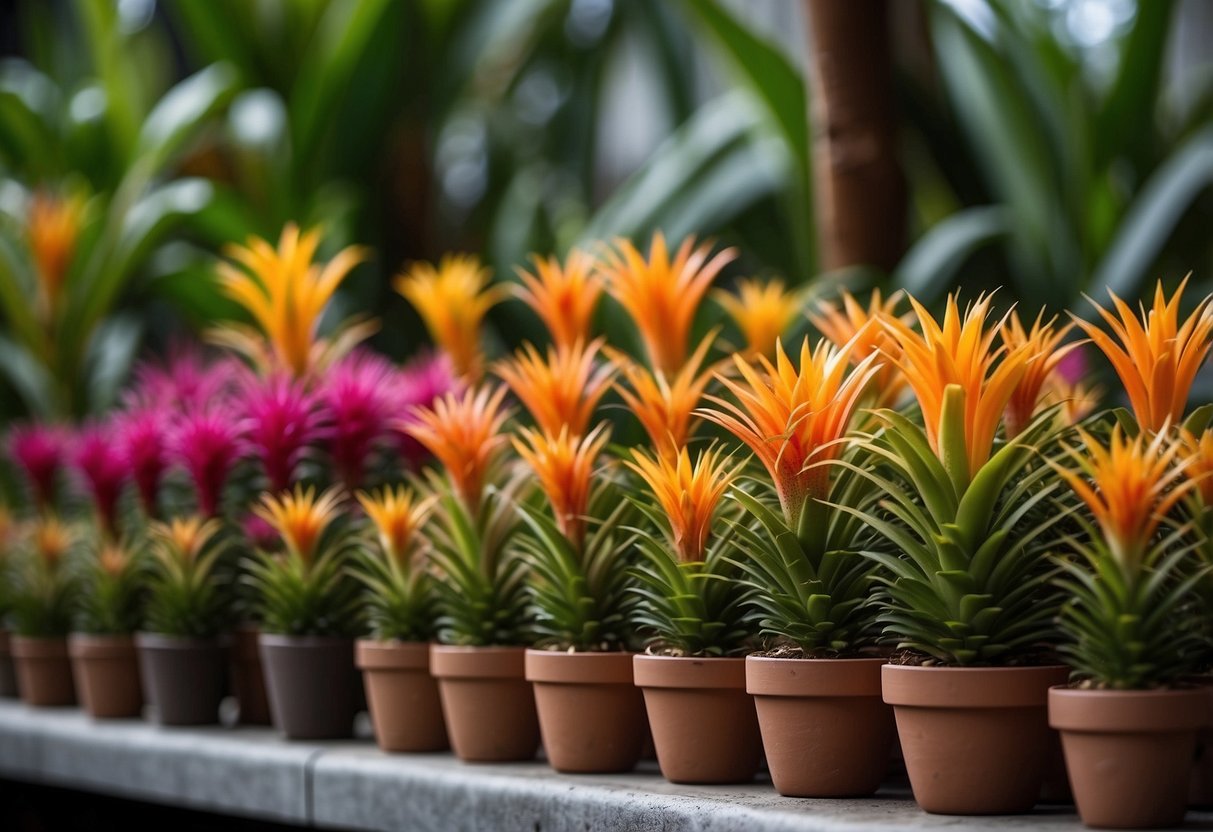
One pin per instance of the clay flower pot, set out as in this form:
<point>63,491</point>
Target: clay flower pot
<point>402,695</point>
<point>8,674</point>
<point>246,678</point>
<point>1129,753</point>
<point>107,675</point>
<point>183,678</point>
<point>976,740</point>
<point>312,685</point>
<point>44,671</point>
<point>487,701</point>
<point>704,725</point>
<point>825,728</point>
<point>591,715</point>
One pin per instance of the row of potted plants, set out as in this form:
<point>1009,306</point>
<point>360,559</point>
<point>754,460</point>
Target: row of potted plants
<point>917,528</point>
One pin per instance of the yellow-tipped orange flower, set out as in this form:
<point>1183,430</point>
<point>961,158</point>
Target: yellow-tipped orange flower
<point>662,294</point>
<point>960,353</point>
<point>1156,357</point>
<point>688,494</point>
<point>286,293</point>
<point>564,465</point>
<point>563,296</point>
<point>53,227</point>
<point>561,390</point>
<point>453,299</point>
<point>464,432</point>
<point>52,539</point>
<point>664,405</point>
<point>851,324</point>
<point>794,418</point>
<point>185,537</point>
<point>762,311</point>
<point>1044,343</point>
<point>1129,486</point>
<point>300,517</point>
<point>397,516</point>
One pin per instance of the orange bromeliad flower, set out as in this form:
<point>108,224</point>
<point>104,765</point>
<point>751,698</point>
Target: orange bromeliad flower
<point>397,516</point>
<point>286,293</point>
<point>53,228</point>
<point>1044,343</point>
<point>51,539</point>
<point>794,419</point>
<point>665,406</point>
<point>300,517</point>
<point>960,355</point>
<point>453,299</point>
<point>1078,400</point>
<point>114,559</point>
<point>185,537</point>
<point>464,432</point>
<point>1156,357</point>
<point>762,311</point>
<point>687,494</point>
<point>561,391</point>
<point>564,465</point>
<point>1199,453</point>
<point>563,296</point>
<point>851,325</point>
<point>662,294</point>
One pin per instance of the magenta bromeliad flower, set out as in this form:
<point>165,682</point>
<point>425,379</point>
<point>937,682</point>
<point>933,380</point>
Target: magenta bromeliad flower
<point>207,443</point>
<point>142,438</point>
<point>259,533</point>
<point>280,419</point>
<point>40,450</point>
<point>418,384</point>
<point>100,464</point>
<point>356,396</point>
<point>187,380</point>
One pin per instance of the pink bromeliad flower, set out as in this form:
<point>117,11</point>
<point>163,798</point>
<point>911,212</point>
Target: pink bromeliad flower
<point>418,384</point>
<point>40,451</point>
<point>187,380</point>
<point>99,462</point>
<point>142,438</point>
<point>280,420</point>
<point>358,406</point>
<point>207,443</point>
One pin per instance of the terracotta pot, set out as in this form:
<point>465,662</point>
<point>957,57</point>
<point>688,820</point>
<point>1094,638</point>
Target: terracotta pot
<point>976,740</point>
<point>1129,753</point>
<point>44,671</point>
<point>247,679</point>
<point>1200,788</point>
<point>704,725</point>
<point>403,697</point>
<point>487,702</point>
<point>825,729</point>
<point>591,715</point>
<point>312,685</point>
<point>107,675</point>
<point>183,678</point>
<point>8,675</point>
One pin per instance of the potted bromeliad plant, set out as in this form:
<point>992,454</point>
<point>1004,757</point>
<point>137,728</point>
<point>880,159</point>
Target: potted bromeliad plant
<point>817,686</point>
<point>399,602</point>
<point>308,606</point>
<point>43,600</point>
<point>181,656</point>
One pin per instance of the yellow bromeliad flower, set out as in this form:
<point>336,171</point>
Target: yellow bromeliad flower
<point>850,324</point>
<point>452,299</point>
<point>300,517</point>
<point>959,358</point>
<point>185,537</point>
<point>1044,343</point>
<point>564,465</point>
<point>665,406</point>
<point>464,432</point>
<point>762,311</point>
<point>398,516</point>
<point>688,494</point>
<point>662,294</point>
<point>1156,357</point>
<point>51,539</point>
<point>53,226</point>
<point>561,390</point>
<point>794,418</point>
<point>286,293</point>
<point>563,296</point>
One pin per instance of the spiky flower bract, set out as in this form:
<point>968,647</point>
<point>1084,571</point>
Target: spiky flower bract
<point>562,389</point>
<point>398,589</point>
<point>762,311</point>
<point>41,452</point>
<point>112,590</point>
<point>45,588</point>
<point>206,443</point>
<point>564,296</point>
<point>53,227</point>
<point>357,399</point>
<point>278,417</point>
<point>141,437</point>
<point>188,596</point>
<point>1044,341</point>
<point>418,384</point>
<point>98,460</point>
<point>665,406</point>
<point>852,325</point>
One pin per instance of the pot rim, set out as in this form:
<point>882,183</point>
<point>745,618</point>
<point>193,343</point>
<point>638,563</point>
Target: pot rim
<point>970,687</point>
<point>771,676</point>
<point>98,646</point>
<point>278,641</point>
<point>374,654</point>
<point>689,672</point>
<point>1168,710</point>
<point>163,641</point>
<point>38,647</point>
<point>451,661</point>
<point>579,668</point>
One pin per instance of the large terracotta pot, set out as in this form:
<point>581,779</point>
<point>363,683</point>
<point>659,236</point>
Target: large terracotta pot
<point>313,685</point>
<point>403,697</point>
<point>1129,753</point>
<point>704,725</point>
<point>825,729</point>
<point>8,674</point>
<point>591,715</point>
<point>487,701</point>
<point>44,671</point>
<point>106,669</point>
<point>976,740</point>
<point>183,678</point>
<point>247,679</point>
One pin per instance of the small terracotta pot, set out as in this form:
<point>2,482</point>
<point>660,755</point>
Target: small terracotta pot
<point>44,671</point>
<point>107,675</point>
<point>976,740</point>
<point>825,729</point>
<point>247,679</point>
<point>704,725</point>
<point>183,678</point>
<point>1200,789</point>
<point>487,701</point>
<point>402,695</point>
<point>1129,753</point>
<point>312,685</point>
<point>8,675</point>
<point>591,715</point>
